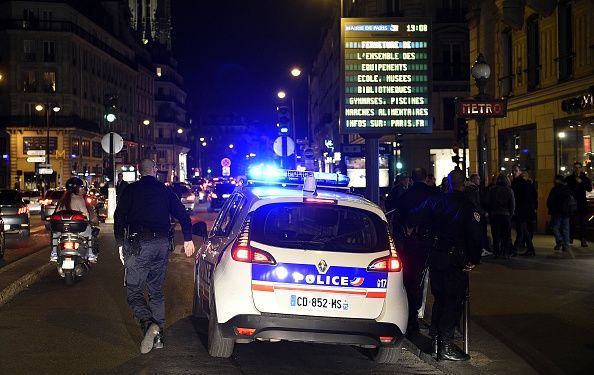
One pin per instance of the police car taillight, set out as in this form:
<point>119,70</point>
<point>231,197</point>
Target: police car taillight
<point>385,264</point>
<point>243,252</point>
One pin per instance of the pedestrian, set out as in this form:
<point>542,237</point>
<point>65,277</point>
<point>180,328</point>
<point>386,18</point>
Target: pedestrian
<point>431,180</point>
<point>579,184</point>
<point>501,206</point>
<point>401,183</point>
<point>74,199</point>
<point>455,225</point>
<point>444,184</point>
<point>475,196</point>
<point>120,186</point>
<point>142,231</point>
<point>525,211</point>
<point>414,245</point>
<point>560,209</point>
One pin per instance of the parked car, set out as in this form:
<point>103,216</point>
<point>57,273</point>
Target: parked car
<point>49,201</point>
<point>14,212</point>
<point>219,195</point>
<point>185,194</point>
<point>34,197</point>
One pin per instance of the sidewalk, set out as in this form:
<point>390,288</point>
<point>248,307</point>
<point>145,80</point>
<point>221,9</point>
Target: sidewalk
<point>489,355</point>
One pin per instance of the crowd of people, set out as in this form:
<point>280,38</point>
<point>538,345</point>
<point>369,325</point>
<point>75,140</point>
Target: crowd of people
<point>445,229</point>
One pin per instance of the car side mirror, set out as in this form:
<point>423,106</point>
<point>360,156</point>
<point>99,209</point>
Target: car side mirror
<point>199,229</point>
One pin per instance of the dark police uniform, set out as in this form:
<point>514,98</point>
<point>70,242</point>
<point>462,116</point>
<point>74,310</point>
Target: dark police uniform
<point>413,248</point>
<point>144,210</point>
<point>456,226</point>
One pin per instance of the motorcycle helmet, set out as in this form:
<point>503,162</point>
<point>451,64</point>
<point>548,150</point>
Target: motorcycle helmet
<point>73,183</point>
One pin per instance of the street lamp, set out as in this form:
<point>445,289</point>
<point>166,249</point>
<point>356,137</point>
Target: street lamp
<point>179,131</point>
<point>481,71</point>
<point>56,108</point>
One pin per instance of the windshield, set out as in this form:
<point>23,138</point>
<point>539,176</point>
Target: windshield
<point>319,227</point>
<point>10,197</point>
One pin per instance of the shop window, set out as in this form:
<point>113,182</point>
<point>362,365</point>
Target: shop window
<point>573,142</point>
<point>517,146</point>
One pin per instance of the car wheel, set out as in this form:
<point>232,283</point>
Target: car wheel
<point>25,234</point>
<point>2,245</point>
<point>218,346</point>
<point>385,354</point>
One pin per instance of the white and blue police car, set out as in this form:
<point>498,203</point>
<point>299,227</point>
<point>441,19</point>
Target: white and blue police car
<point>294,256</point>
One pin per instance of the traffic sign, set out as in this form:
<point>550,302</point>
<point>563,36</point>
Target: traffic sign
<point>118,142</point>
<point>36,152</point>
<point>308,153</point>
<point>278,146</point>
<point>36,159</point>
<point>225,162</point>
<point>226,171</point>
<point>46,171</point>
<point>45,165</point>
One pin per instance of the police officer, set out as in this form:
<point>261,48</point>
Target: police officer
<point>143,213</point>
<point>456,227</point>
<point>413,246</point>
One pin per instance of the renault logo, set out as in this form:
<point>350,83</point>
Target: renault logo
<point>322,266</point>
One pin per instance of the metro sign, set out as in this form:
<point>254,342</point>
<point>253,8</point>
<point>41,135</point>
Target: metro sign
<point>470,108</point>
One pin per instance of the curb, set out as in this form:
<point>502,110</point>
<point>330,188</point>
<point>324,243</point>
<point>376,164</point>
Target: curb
<point>23,282</point>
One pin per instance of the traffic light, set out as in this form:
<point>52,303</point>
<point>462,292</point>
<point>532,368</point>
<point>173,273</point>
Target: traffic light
<point>283,119</point>
<point>111,107</point>
<point>462,129</point>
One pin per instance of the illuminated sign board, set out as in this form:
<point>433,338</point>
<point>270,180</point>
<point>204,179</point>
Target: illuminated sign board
<point>470,108</point>
<point>386,76</point>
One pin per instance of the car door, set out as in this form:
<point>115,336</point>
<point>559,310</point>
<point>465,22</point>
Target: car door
<point>220,237</point>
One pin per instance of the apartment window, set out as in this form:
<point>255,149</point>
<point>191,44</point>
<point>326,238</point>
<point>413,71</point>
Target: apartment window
<point>159,71</point>
<point>393,8</point>
<point>75,148</point>
<point>46,19</point>
<point>533,53</point>
<point>86,147</point>
<point>28,18</point>
<point>49,81</point>
<point>29,110</point>
<point>97,150</point>
<point>29,81</point>
<point>506,63</point>
<point>28,50</point>
<point>565,35</point>
<point>449,113</point>
<point>49,51</point>
<point>452,67</point>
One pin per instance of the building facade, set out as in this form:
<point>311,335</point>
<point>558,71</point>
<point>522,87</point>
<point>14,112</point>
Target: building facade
<point>541,55</point>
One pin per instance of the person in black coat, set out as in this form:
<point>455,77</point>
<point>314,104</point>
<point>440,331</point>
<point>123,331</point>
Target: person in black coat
<point>525,213</point>
<point>455,224</point>
<point>579,184</point>
<point>560,214</point>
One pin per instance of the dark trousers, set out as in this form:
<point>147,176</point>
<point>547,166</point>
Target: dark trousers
<point>501,231</point>
<point>578,226</point>
<point>523,236</point>
<point>448,287</point>
<point>147,270</point>
<point>413,253</point>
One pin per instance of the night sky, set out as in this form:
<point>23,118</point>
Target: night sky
<point>235,55</point>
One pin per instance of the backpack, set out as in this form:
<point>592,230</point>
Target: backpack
<point>569,205</point>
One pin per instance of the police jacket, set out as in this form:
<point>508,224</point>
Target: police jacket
<point>579,190</point>
<point>412,198</point>
<point>454,221</point>
<point>146,205</point>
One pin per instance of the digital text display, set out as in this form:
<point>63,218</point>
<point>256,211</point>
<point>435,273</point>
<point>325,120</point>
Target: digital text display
<point>386,76</point>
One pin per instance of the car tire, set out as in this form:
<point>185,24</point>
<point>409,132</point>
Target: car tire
<point>384,354</point>
<point>218,346</point>
<point>25,234</point>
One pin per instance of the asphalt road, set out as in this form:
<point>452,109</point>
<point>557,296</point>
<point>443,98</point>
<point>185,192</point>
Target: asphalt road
<point>88,328</point>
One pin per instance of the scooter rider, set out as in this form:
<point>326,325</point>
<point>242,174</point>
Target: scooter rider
<point>74,199</point>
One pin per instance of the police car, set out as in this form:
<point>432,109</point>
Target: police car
<point>294,256</point>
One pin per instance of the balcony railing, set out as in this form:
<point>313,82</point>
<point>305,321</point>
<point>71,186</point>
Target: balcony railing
<point>57,122</point>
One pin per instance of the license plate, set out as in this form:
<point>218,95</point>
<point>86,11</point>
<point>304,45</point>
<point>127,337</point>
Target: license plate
<point>226,195</point>
<point>299,301</point>
<point>6,227</point>
<point>68,264</point>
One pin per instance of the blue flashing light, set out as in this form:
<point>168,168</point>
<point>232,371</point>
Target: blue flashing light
<point>5,156</point>
<point>284,130</point>
<point>271,174</point>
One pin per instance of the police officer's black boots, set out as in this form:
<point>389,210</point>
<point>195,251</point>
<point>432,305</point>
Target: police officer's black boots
<point>450,352</point>
<point>159,340</point>
<point>434,346</point>
<point>151,330</point>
